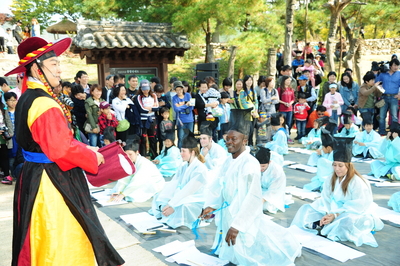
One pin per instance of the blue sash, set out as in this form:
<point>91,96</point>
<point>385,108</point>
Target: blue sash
<point>35,157</point>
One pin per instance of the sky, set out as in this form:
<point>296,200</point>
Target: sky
<point>5,8</point>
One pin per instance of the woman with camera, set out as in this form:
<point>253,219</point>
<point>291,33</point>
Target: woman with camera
<point>183,110</point>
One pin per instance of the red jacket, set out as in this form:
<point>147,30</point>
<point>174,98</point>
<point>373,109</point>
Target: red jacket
<point>300,111</point>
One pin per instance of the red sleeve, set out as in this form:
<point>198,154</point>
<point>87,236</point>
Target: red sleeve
<point>55,139</point>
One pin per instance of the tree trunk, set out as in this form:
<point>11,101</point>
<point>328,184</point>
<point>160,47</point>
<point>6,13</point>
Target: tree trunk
<point>209,48</point>
<point>348,60</point>
<point>231,64</point>
<point>287,53</point>
<point>216,34</point>
<point>335,8</point>
<point>376,31</point>
<point>305,28</point>
<point>241,73</point>
<point>357,60</point>
<point>271,63</point>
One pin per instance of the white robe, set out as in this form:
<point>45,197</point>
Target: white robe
<point>214,160</point>
<point>278,143</point>
<point>324,171</point>
<point>391,150</point>
<point>259,241</point>
<point>184,193</point>
<point>273,184</point>
<point>169,163</point>
<point>372,142</point>
<point>143,184</point>
<point>356,208</point>
<point>313,159</point>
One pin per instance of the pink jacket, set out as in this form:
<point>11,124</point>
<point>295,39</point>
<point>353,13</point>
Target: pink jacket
<point>329,99</point>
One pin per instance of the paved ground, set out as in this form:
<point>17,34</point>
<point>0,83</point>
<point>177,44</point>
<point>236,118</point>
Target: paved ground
<point>127,241</point>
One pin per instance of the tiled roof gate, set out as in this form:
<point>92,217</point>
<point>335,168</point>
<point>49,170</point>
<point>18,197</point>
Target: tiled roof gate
<point>128,45</point>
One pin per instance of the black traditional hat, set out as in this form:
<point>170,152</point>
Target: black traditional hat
<point>207,127</point>
<point>395,127</point>
<point>326,138</point>
<point>275,119</point>
<point>189,141</point>
<point>240,120</point>
<point>367,118</point>
<point>332,124</point>
<point>170,134</point>
<point>262,154</point>
<point>322,120</point>
<point>342,150</point>
<point>346,117</point>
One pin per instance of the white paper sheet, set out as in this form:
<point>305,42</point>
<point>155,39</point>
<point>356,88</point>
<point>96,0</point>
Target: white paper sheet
<point>388,215</point>
<point>174,247</point>
<point>193,257</point>
<point>300,150</point>
<point>387,184</point>
<point>302,194</point>
<point>103,198</point>
<point>324,246</point>
<point>285,163</point>
<point>142,221</point>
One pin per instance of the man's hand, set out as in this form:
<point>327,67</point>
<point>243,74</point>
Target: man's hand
<point>95,130</point>
<point>100,158</point>
<point>206,213</point>
<point>109,116</point>
<point>231,236</point>
<point>167,210</point>
<point>205,151</point>
<point>116,197</point>
<point>156,161</point>
<point>318,151</point>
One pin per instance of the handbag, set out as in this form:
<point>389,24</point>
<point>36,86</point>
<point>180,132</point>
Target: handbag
<point>123,125</point>
<point>380,103</point>
<point>88,128</point>
<point>117,165</point>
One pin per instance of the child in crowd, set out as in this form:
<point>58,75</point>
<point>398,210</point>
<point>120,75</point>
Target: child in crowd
<point>308,66</point>
<point>353,117</point>
<point>144,183</point>
<point>162,102</point>
<point>106,118</point>
<point>166,125</point>
<point>279,140</point>
<point>223,123</point>
<point>6,133</point>
<point>313,139</point>
<point>212,95</point>
<point>11,101</point>
<point>349,130</point>
<point>330,126</point>
<point>300,113</point>
<point>169,159</point>
<point>108,135</point>
<point>367,142</point>
<point>263,127</point>
<point>332,101</point>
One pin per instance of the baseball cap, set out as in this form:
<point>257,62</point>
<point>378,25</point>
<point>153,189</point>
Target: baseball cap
<point>303,77</point>
<point>104,105</point>
<point>333,85</point>
<point>144,85</point>
<point>177,84</point>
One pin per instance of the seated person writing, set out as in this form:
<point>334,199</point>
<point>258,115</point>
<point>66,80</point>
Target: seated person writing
<point>279,140</point>
<point>144,183</point>
<point>169,159</point>
<point>367,142</point>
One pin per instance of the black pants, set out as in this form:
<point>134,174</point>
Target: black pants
<point>4,161</point>
<point>122,135</point>
<point>251,133</point>
<point>151,135</point>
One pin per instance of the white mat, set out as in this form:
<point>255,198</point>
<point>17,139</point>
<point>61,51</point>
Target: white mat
<point>103,198</point>
<point>301,193</point>
<point>388,215</point>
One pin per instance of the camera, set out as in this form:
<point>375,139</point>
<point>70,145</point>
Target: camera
<point>68,102</point>
<point>381,66</point>
<point>5,133</point>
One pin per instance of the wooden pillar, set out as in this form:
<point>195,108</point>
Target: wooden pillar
<point>163,74</point>
<point>271,64</point>
<point>103,70</point>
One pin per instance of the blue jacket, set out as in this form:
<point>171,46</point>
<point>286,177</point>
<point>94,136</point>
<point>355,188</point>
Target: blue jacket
<point>345,93</point>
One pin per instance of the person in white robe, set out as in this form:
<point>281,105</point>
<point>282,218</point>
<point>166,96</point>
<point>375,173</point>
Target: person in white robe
<point>169,159</point>
<point>144,183</point>
<point>345,211</point>
<point>244,235</point>
<point>182,199</point>
<point>324,163</point>
<point>273,181</point>
<point>279,140</point>
<point>394,201</point>
<point>350,129</point>
<point>313,140</point>
<point>367,142</point>
<point>390,147</point>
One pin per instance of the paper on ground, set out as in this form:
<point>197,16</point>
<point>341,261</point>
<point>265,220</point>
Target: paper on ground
<point>142,221</point>
<point>288,163</point>
<point>303,167</point>
<point>387,184</point>
<point>300,150</point>
<point>174,247</point>
<point>103,198</point>
<point>301,193</point>
<point>193,257</point>
<point>325,246</point>
<point>388,215</point>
